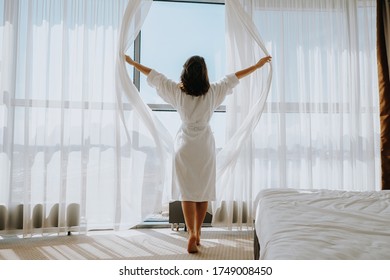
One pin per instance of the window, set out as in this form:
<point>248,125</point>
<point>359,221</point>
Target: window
<point>172,32</point>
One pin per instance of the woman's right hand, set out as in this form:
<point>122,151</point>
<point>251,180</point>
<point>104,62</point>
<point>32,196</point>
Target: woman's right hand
<point>245,72</point>
<point>263,61</point>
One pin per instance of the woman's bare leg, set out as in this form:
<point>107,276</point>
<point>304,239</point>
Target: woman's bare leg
<point>201,210</point>
<point>189,211</point>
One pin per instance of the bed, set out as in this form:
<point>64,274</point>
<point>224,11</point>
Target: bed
<point>322,224</point>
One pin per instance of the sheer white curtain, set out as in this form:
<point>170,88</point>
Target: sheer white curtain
<point>320,124</point>
<point>244,47</point>
<point>66,161</point>
<point>159,145</point>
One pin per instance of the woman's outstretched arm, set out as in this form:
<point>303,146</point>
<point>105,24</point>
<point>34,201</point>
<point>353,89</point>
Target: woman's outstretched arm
<point>142,68</point>
<point>245,72</point>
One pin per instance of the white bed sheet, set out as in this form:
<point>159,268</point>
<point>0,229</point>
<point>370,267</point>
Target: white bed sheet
<point>323,224</point>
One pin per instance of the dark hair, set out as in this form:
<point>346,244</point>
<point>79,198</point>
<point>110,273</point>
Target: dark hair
<point>194,77</point>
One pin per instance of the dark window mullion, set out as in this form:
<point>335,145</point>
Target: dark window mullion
<point>137,58</point>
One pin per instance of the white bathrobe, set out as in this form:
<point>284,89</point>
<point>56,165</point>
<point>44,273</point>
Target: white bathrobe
<point>194,166</point>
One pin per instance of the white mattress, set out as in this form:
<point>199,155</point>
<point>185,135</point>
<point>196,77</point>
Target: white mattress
<point>323,224</point>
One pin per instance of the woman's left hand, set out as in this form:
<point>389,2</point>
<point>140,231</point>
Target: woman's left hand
<point>129,60</point>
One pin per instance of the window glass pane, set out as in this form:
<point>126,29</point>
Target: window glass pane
<point>173,32</point>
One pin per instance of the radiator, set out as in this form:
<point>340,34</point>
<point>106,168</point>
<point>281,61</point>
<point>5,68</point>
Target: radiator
<point>13,218</point>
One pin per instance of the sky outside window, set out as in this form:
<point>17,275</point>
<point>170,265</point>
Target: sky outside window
<point>172,32</point>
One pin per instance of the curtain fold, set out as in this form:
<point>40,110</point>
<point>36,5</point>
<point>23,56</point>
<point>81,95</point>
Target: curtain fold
<point>383,52</point>
<point>132,22</point>
<point>244,47</point>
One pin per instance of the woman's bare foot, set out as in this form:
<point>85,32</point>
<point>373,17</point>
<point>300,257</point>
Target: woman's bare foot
<point>192,245</point>
<point>198,239</point>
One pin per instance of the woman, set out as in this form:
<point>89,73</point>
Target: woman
<point>194,167</point>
